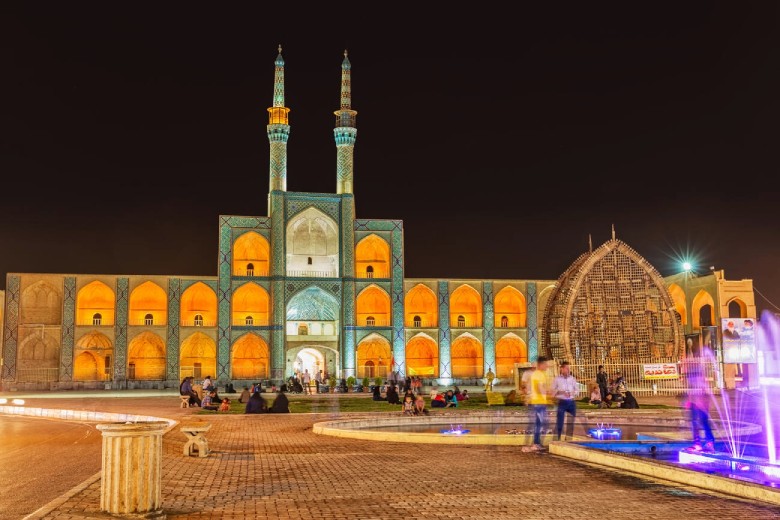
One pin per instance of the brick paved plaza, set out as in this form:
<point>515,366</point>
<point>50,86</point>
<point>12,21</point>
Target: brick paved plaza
<point>273,466</point>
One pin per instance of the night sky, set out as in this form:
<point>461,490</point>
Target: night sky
<point>502,139</point>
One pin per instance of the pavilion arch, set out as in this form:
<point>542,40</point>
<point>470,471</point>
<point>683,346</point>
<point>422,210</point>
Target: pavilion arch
<point>373,307</point>
<point>700,315</point>
<point>372,257</point>
<point>374,356</point>
<point>466,356</point>
<point>421,308</point>
<point>422,356</point>
<point>41,304</point>
<point>251,252</point>
<point>95,304</point>
<point>737,308</point>
<point>510,349</point>
<point>100,352</point>
<point>38,351</point>
<point>510,308</point>
<point>198,356</point>
<point>678,300</point>
<point>87,367</point>
<point>199,306</point>
<point>148,305</point>
<point>249,358</point>
<point>250,305</point>
<point>312,244</point>
<point>465,307</point>
<point>146,357</point>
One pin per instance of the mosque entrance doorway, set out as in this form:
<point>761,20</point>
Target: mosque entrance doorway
<point>312,358</point>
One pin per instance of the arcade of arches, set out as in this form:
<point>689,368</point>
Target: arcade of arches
<point>250,255</point>
<point>372,258</point>
<point>422,356</point>
<point>374,356</point>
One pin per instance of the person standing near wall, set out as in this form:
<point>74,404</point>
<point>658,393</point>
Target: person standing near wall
<point>565,390</point>
<point>603,381</point>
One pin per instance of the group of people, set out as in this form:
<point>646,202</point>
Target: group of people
<point>413,400</point>
<point>611,391</point>
<point>256,404</point>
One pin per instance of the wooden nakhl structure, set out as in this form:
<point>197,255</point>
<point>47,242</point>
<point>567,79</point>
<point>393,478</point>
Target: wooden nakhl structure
<point>611,306</point>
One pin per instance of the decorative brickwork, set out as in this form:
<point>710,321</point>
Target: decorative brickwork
<point>444,330</point>
<point>120,327</point>
<point>172,346</point>
<point>11,327</point>
<point>488,336</point>
<point>68,328</point>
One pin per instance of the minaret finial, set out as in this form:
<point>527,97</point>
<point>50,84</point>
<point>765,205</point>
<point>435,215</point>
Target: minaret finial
<point>280,48</point>
<point>613,231</point>
<point>590,243</point>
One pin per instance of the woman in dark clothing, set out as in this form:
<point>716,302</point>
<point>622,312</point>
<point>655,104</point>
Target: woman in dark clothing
<point>281,404</point>
<point>185,388</point>
<point>377,395</point>
<point>392,395</point>
<point>256,404</point>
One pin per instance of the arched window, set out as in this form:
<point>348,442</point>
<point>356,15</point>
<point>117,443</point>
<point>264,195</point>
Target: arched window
<point>198,322</point>
<point>149,319</point>
<point>705,316</point>
<point>370,271</point>
<point>461,321</point>
<point>417,321</point>
<point>131,370</point>
<point>249,320</point>
<point>504,321</point>
<point>97,319</point>
<point>303,330</point>
<point>370,321</point>
<point>107,367</point>
<point>309,261</point>
<point>735,311</point>
<point>250,269</point>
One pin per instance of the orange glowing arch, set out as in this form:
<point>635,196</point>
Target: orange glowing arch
<point>250,358</point>
<point>95,304</point>
<point>510,309</point>
<point>148,305</point>
<point>465,307</point>
<point>199,300</point>
<point>250,305</point>
<point>466,357</point>
<point>372,258</point>
<point>422,356</point>
<point>420,302</point>
<point>373,356</point>
<point>510,349</point>
<point>198,356</point>
<point>146,357</point>
<point>373,307</point>
<point>250,255</point>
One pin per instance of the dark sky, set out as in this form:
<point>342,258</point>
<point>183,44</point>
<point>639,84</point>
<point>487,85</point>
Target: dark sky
<point>501,138</point>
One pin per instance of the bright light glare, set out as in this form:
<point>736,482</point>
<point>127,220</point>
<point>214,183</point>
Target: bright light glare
<point>18,402</point>
<point>3,400</point>
<point>686,266</point>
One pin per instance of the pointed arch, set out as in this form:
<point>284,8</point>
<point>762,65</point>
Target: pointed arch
<point>148,305</point>
<point>94,340</point>
<point>510,349</point>
<point>465,301</point>
<point>422,356</point>
<point>509,303</point>
<point>466,356</point>
<point>737,308</point>
<point>146,357</point>
<point>702,300</point>
<point>37,351</point>
<point>95,298</point>
<point>250,303</point>
<point>250,358</point>
<point>41,303</point>
<point>199,300</point>
<point>85,367</point>
<point>373,302</point>
<point>372,257</point>
<point>312,244</point>
<point>251,252</point>
<point>374,356</point>
<point>678,301</point>
<point>198,356</point>
<point>421,302</point>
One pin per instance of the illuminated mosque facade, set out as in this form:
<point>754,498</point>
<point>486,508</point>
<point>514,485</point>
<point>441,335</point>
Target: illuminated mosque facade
<point>312,287</point>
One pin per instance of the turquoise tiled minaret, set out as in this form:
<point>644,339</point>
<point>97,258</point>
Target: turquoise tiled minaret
<point>278,130</point>
<point>345,132</point>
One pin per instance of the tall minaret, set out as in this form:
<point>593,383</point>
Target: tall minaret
<point>345,131</point>
<point>278,131</point>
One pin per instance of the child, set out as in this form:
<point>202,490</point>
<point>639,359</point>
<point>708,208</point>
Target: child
<point>225,406</point>
<point>408,405</point>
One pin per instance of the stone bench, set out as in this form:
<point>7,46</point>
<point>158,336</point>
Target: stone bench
<point>185,401</point>
<point>196,439</point>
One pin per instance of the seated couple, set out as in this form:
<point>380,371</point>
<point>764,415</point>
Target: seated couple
<point>257,404</point>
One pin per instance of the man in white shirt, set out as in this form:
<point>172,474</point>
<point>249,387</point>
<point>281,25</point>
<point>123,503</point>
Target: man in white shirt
<point>565,390</point>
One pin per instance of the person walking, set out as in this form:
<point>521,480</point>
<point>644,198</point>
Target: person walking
<point>698,404</point>
<point>307,381</point>
<point>565,390</point>
<point>538,402</point>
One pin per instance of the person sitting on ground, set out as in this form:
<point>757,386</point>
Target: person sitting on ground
<point>229,389</point>
<point>630,401</point>
<point>434,393</point>
<point>595,396</point>
<point>281,404</point>
<point>225,405</point>
<point>450,401</point>
<point>377,395</point>
<point>208,402</point>
<point>245,395</point>
<point>438,401</point>
<point>392,395</point>
<point>513,399</point>
<point>343,386</point>
<point>208,384</point>
<point>419,405</point>
<point>256,404</point>
<point>458,394</point>
<point>408,404</point>
<point>409,392</point>
<point>464,396</point>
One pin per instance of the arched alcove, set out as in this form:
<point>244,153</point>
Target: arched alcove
<point>372,258</point>
<point>148,305</point>
<point>95,299</point>
<point>250,305</point>
<point>146,357</point>
<point>250,358</point>
<point>509,308</point>
<point>312,244</point>
<point>199,300</point>
<point>702,299</point>
<point>250,255</point>
<point>374,356</point>
<point>510,349</point>
<point>466,357</point>
<point>678,300</point>
<point>422,356</point>
<point>373,302</point>
<point>465,301</point>
<point>39,357</point>
<point>198,356</point>
<point>313,311</point>
<point>41,304</point>
<point>421,302</point>
<point>737,309</point>
<point>87,368</point>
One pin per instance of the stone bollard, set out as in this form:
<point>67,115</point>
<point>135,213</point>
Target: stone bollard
<point>132,464</point>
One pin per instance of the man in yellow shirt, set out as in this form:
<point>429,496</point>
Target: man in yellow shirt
<point>537,401</point>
